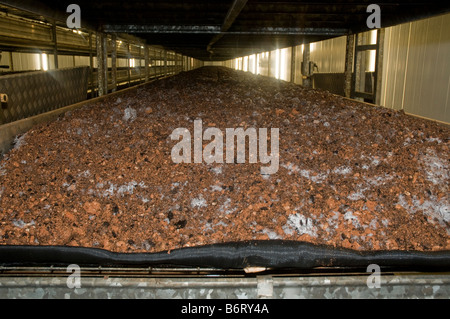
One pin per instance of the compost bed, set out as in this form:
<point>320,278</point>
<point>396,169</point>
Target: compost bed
<point>350,175</point>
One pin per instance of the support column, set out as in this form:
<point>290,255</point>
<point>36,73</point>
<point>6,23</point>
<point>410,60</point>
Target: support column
<point>349,51</point>
<point>128,64</point>
<point>269,64</point>
<point>293,51</point>
<point>140,63</point>
<point>379,65</point>
<point>91,64</point>
<point>11,61</point>
<point>55,45</point>
<point>160,66</point>
<point>102,59</point>
<point>305,66</point>
<point>176,63</point>
<point>105,61</point>
<point>154,64</point>
<point>165,63</point>
<point>360,68</point>
<point>147,63</point>
<point>114,63</point>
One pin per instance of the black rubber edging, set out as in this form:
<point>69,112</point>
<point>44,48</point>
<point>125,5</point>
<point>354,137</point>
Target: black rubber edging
<point>235,255</point>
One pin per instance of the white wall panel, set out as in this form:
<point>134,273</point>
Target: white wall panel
<point>329,55</point>
<point>26,61</point>
<point>272,63</point>
<point>84,61</point>
<point>214,63</point>
<point>438,72</point>
<point>395,62</point>
<point>337,64</point>
<point>6,60</point>
<point>264,63</point>
<point>285,64</point>
<point>65,61</point>
<point>417,68</point>
<point>298,64</point>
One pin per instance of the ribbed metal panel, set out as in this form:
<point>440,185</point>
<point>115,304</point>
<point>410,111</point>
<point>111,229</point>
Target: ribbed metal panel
<point>329,55</point>
<point>417,68</point>
<point>298,64</point>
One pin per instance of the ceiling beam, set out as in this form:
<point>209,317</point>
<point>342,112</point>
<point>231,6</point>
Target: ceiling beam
<point>35,7</point>
<point>41,9</point>
<point>231,16</point>
<point>216,30</point>
<point>163,29</point>
<point>233,13</point>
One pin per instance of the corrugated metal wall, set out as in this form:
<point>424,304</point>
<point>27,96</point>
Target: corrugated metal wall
<point>28,45</point>
<point>416,65</point>
<point>298,64</point>
<point>329,55</point>
<point>214,63</point>
<point>416,70</point>
<point>274,63</point>
<point>34,61</point>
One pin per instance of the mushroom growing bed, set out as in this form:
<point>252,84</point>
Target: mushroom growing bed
<point>350,175</point>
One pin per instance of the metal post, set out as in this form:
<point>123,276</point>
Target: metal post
<point>165,62</point>
<point>305,67</point>
<point>155,69</point>
<point>147,62</point>
<point>140,63</point>
<point>128,64</point>
<point>349,51</point>
<point>175,56</point>
<point>55,45</point>
<point>105,62</point>
<point>91,64</point>
<point>101,64</point>
<point>114,63</point>
<point>360,68</point>
<point>293,51</point>
<point>11,60</point>
<point>268,63</point>
<point>379,65</point>
<point>160,64</point>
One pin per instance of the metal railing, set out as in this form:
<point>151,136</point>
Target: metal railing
<point>29,44</point>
